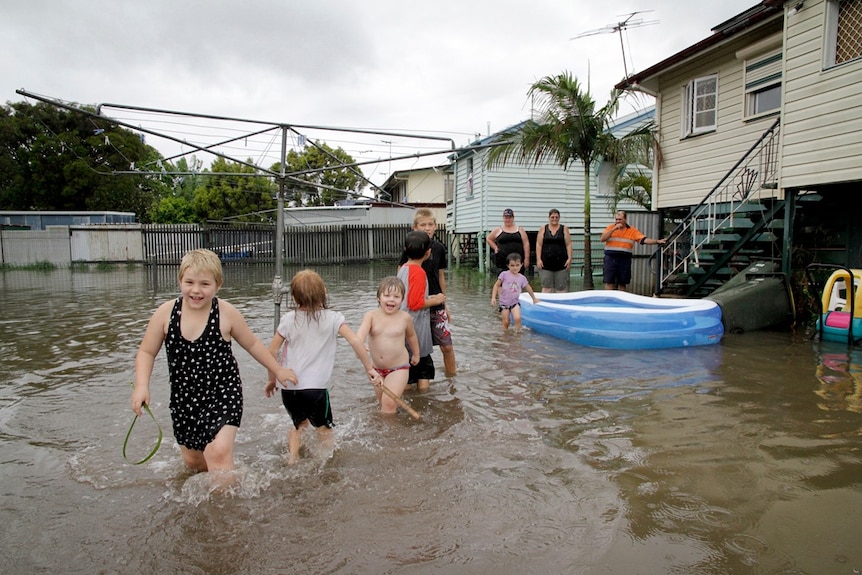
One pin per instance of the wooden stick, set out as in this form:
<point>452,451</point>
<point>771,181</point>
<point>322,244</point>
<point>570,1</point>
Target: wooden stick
<point>401,403</point>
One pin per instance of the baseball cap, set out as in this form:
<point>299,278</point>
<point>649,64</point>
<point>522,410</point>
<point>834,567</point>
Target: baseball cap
<point>508,212</point>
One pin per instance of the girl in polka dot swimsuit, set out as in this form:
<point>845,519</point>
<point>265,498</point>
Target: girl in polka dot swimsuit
<point>206,390</point>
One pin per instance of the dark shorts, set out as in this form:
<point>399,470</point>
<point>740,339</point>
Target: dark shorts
<point>617,269</point>
<point>440,327</point>
<point>501,308</point>
<point>422,370</point>
<point>310,404</point>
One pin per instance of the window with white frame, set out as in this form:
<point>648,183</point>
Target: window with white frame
<point>700,105</point>
<point>843,31</point>
<point>763,84</point>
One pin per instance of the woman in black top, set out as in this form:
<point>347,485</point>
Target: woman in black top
<point>554,254</point>
<point>509,238</point>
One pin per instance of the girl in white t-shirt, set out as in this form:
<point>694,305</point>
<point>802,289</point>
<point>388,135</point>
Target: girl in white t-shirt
<point>305,342</point>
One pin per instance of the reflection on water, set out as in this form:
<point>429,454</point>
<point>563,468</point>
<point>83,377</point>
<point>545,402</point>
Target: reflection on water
<point>539,456</point>
<point>840,375</point>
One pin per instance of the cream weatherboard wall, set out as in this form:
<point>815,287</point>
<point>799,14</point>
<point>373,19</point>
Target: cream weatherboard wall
<point>822,119</point>
<point>693,165</point>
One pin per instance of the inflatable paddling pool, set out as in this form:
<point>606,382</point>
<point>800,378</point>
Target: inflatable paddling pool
<point>621,320</point>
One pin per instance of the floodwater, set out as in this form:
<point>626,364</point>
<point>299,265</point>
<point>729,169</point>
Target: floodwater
<point>539,456</point>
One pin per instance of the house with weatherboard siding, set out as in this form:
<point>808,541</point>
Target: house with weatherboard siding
<point>768,106</point>
<point>480,194</point>
<point>419,188</point>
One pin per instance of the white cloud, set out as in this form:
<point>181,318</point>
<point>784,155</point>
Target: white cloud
<point>453,67</point>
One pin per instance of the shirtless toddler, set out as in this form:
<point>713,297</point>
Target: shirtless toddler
<point>386,330</point>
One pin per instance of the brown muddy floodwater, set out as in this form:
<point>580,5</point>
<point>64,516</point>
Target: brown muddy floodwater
<point>539,456</point>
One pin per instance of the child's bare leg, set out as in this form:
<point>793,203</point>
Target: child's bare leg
<point>219,452</point>
<point>505,316</point>
<point>516,315</point>
<point>325,437</point>
<point>193,459</point>
<point>294,442</point>
<point>396,382</point>
<point>448,352</point>
<point>423,385</point>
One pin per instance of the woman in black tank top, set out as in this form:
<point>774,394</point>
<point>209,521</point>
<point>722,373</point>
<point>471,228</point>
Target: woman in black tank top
<point>554,254</point>
<point>509,238</point>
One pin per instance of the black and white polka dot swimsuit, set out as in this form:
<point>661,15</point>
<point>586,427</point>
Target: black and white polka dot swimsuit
<point>206,390</point>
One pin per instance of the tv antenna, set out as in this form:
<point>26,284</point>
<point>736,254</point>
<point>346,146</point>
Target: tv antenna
<point>628,21</point>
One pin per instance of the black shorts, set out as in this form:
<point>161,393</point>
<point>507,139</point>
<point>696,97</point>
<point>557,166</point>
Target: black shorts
<point>422,370</point>
<point>617,269</point>
<point>310,404</point>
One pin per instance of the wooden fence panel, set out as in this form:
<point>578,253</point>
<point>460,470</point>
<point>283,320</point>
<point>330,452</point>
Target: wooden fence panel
<point>248,243</point>
<point>255,243</point>
<point>166,243</point>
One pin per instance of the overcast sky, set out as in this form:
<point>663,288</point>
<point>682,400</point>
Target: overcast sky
<point>438,67</point>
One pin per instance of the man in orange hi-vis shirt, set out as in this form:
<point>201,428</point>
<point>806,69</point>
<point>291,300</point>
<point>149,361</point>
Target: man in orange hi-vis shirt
<point>620,239</point>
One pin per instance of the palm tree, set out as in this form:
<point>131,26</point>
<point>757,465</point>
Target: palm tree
<point>632,185</point>
<point>567,128</point>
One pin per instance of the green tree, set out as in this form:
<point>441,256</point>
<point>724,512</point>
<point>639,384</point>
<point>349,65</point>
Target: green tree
<point>174,210</point>
<point>182,180</point>
<point>632,181</point>
<point>633,185</point>
<point>235,191</point>
<point>56,159</point>
<point>568,128</point>
<point>319,190</point>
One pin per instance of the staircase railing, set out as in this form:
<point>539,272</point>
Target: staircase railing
<point>754,176</point>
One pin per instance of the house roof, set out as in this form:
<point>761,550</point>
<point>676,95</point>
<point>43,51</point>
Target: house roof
<point>727,29</point>
<point>619,127</point>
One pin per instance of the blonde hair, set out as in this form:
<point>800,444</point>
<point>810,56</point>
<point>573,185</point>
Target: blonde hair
<point>423,214</point>
<point>390,283</point>
<point>308,292</point>
<point>204,261</point>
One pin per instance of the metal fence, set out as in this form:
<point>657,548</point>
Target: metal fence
<point>255,243</point>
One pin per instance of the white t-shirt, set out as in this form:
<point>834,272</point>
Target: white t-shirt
<point>309,346</point>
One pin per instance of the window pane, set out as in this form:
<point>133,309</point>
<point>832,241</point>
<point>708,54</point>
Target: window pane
<point>767,99</point>
<point>706,86</point>
<point>704,119</point>
<point>706,102</point>
<point>849,42</point>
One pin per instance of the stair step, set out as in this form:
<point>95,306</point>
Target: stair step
<point>725,238</point>
<point>765,237</point>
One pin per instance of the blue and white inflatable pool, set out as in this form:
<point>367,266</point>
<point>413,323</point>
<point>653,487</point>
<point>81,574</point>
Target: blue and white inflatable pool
<point>621,320</point>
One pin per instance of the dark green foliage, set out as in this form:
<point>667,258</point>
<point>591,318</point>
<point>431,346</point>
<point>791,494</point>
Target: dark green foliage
<point>307,165</point>
<point>55,159</point>
<point>235,191</point>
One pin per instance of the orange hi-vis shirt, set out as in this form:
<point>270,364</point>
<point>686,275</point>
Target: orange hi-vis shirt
<point>622,241</point>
